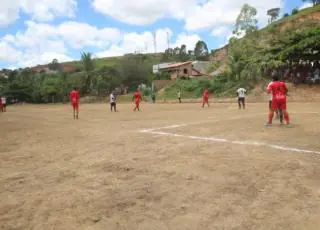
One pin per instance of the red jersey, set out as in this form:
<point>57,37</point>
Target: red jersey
<point>74,96</point>
<point>278,89</point>
<point>137,96</point>
<point>206,94</point>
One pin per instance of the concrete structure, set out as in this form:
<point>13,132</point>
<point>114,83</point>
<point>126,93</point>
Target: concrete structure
<point>183,69</point>
<point>158,67</point>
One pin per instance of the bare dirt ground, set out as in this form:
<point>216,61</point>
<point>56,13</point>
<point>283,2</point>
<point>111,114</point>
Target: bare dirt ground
<point>222,170</point>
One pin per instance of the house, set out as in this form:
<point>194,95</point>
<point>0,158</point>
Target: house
<point>183,69</point>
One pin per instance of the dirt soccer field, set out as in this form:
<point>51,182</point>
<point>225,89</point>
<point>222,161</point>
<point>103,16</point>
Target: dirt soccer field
<point>167,167</point>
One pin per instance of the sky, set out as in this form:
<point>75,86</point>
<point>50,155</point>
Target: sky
<point>35,32</point>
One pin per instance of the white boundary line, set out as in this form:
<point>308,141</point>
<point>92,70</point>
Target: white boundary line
<point>222,140</point>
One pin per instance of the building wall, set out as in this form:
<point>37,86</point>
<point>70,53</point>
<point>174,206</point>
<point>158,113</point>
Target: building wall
<point>179,71</point>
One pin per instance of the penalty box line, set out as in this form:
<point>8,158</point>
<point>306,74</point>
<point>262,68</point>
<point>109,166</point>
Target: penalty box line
<point>157,131</point>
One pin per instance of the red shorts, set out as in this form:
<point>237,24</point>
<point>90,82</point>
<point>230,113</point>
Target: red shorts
<point>137,102</point>
<point>205,100</point>
<point>279,104</point>
<point>75,105</point>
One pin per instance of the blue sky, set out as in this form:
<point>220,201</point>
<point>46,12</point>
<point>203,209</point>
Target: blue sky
<point>36,31</point>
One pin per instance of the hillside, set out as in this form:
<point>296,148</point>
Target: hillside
<point>304,18</point>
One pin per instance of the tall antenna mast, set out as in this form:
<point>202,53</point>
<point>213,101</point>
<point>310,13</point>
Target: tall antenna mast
<point>155,41</point>
<point>146,46</point>
<point>168,40</point>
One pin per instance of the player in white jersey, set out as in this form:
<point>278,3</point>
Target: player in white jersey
<point>112,100</point>
<point>241,92</point>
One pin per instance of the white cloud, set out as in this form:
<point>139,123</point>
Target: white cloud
<point>44,10</point>
<point>8,53</point>
<point>73,33</point>
<point>215,13</point>
<point>197,14</point>
<point>305,5</point>
<point>219,31</point>
<point>9,12</point>
<point>40,42</point>
<point>144,42</point>
<point>144,12</point>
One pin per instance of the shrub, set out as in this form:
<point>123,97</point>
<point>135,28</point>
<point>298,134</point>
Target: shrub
<point>294,11</point>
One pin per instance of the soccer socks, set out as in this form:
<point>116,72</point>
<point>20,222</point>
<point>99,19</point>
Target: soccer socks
<point>270,117</point>
<point>286,117</point>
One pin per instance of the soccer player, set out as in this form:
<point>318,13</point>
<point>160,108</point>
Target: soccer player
<point>137,99</point>
<point>113,104</point>
<point>279,92</point>
<point>241,92</point>
<point>4,104</point>
<point>205,98</point>
<point>179,96</point>
<point>1,106</point>
<point>270,104</point>
<point>75,99</point>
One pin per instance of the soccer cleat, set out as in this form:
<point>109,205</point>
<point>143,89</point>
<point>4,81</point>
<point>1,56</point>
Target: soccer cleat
<point>267,124</point>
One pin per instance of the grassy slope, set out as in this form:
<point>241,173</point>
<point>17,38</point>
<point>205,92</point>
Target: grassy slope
<point>230,89</point>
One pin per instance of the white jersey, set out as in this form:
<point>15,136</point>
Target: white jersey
<point>4,100</point>
<point>270,95</point>
<point>112,98</point>
<point>241,92</point>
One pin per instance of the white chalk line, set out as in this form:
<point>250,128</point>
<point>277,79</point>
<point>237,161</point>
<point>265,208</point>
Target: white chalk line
<point>222,140</point>
<point>214,139</point>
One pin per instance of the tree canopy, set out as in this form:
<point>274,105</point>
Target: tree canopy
<point>246,20</point>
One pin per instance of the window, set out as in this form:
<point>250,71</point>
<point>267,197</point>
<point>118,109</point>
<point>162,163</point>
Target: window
<point>185,71</point>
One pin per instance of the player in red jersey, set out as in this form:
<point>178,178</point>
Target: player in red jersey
<point>205,98</point>
<point>279,92</point>
<point>75,99</point>
<point>137,99</point>
<point>1,105</point>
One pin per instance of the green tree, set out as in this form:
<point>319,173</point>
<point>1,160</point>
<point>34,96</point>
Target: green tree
<point>294,11</point>
<point>314,2</point>
<point>50,89</point>
<point>201,51</point>
<point>54,65</point>
<point>134,72</point>
<point>246,21</point>
<point>64,86</point>
<point>87,62</point>
<point>183,55</point>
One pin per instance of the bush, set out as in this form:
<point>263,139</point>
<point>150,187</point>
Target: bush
<point>286,15</point>
<point>294,11</point>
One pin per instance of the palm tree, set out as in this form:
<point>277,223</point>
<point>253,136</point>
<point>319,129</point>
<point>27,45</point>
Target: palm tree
<point>87,62</point>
